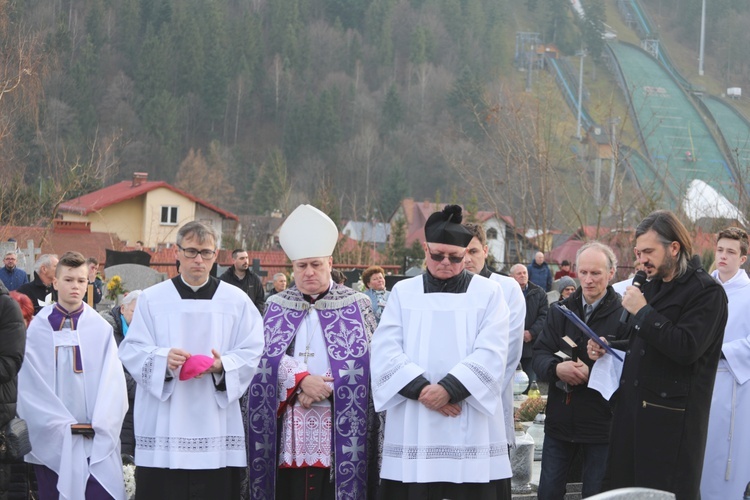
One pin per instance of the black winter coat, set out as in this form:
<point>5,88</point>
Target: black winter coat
<point>536,315</point>
<point>661,415</point>
<point>37,291</point>
<point>12,347</point>
<point>250,284</point>
<point>583,416</point>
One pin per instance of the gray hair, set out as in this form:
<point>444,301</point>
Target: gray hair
<point>515,266</point>
<point>10,252</point>
<point>44,260</point>
<point>606,250</point>
<point>198,230</point>
<point>278,275</point>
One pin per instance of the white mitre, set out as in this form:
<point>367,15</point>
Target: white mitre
<point>308,233</point>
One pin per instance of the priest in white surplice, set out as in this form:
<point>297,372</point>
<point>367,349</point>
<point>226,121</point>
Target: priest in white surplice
<point>71,376</point>
<point>726,464</point>
<point>438,364</point>
<point>193,347</point>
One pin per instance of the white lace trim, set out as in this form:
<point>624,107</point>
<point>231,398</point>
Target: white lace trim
<point>306,436</point>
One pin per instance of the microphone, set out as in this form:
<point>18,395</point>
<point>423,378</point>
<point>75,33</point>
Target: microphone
<point>638,280</point>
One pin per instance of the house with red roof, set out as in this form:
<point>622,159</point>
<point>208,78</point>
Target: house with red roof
<point>147,211</point>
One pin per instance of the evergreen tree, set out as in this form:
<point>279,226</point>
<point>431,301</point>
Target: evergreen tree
<point>215,80</point>
<point>592,28</point>
<point>328,130</point>
<point>190,59</point>
<point>466,103</point>
<point>393,111</point>
<point>151,75</point>
<point>272,186</point>
<point>393,189</point>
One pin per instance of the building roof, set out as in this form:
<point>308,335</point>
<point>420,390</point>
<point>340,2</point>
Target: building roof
<point>127,190</point>
<point>371,232</point>
<point>64,236</point>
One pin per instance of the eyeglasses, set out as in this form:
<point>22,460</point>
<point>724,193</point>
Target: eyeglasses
<point>192,253</point>
<point>440,257</point>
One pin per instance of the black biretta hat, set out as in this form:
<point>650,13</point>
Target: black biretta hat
<point>445,227</point>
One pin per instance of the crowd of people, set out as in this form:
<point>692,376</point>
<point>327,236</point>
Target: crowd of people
<point>318,391</point>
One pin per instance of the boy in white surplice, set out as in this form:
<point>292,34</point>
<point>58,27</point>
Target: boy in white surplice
<point>72,394</point>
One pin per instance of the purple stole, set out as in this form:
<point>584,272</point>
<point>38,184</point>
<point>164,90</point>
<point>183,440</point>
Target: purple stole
<point>57,321</point>
<point>348,352</point>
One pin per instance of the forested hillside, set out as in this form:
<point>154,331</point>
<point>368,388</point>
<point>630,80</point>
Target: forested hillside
<point>252,104</point>
<point>258,105</point>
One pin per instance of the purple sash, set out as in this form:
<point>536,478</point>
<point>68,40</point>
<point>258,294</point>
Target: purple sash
<point>348,352</point>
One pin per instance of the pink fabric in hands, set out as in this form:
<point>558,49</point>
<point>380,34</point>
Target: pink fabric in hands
<point>195,365</point>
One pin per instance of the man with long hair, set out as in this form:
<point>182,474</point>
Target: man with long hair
<point>676,327</point>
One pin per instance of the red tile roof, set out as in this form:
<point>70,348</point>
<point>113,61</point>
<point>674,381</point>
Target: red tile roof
<point>125,190</point>
<point>59,240</point>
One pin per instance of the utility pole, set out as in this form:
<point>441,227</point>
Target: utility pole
<point>579,135</point>
<point>615,154</point>
<point>703,37</point>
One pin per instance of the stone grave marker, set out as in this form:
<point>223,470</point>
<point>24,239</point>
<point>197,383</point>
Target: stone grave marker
<point>134,276</point>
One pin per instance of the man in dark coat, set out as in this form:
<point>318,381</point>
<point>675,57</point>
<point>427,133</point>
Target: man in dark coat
<point>536,315</point>
<point>240,275</point>
<point>577,418</point>
<point>40,291</point>
<point>12,344</point>
<point>676,329</point>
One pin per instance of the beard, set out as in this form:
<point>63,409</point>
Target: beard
<point>667,268</point>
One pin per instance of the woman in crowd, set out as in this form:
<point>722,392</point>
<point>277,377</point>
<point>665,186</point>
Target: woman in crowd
<point>374,281</point>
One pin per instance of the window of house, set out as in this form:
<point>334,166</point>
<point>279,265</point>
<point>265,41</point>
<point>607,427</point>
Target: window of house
<point>492,233</point>
<point>169,215</point>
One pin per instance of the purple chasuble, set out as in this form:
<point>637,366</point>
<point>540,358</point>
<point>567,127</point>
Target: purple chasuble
<point>348,351</point>
<point>57,320</point>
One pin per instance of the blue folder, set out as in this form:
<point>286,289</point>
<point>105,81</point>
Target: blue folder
<point>585,329</point>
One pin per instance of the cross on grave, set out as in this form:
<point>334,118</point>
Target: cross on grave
<point>264,370</point>
<point>29,257</point>
<point>256,269</point>
<point>351,372</point>
<point>306,354</point>
<point>265,446</point>
<point>355,449</point>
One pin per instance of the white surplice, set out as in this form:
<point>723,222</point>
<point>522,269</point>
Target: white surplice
<point>433,334</point>
<point>74,458</point>
<point>517,307</point>
<point>726,463</point>
<point>190,424</point>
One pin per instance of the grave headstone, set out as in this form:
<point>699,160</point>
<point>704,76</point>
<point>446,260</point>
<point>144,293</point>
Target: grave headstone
<point>134,276</point>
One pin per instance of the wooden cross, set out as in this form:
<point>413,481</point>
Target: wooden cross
<point>256,269</point>
<point>306,354</point>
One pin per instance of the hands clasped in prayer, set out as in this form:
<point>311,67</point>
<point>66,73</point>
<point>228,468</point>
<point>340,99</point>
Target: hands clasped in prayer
<point>314,388</point>
<point>177,357</point>
<point>435,397</point>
